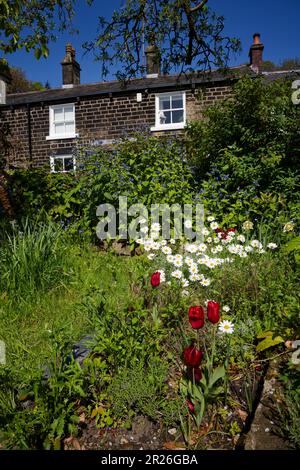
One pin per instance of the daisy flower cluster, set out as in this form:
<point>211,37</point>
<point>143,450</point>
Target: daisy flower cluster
<point>193,263</point>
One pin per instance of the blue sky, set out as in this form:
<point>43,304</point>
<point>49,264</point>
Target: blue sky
<point>276,20</point>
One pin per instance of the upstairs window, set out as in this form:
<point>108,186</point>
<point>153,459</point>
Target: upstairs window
<point>62,121</point>
<point>170,111</point>
<point>62,163</point>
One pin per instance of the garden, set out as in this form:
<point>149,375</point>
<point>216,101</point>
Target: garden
<point>158,343</point>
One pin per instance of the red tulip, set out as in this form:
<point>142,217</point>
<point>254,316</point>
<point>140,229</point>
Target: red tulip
<point>192,356</point>
<point>231,230</point>
<point>196,374</point>
<point>155,279</point>
<point>190,405</point>
<point>213,311</point>
<point>196,317</point>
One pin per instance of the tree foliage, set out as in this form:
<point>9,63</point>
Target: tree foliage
<point>286,64</point>
<point>187,34</point>
<point>20,83</point>
<point>31,24</point>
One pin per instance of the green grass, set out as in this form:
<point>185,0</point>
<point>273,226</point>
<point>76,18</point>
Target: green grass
<point>68,308</point>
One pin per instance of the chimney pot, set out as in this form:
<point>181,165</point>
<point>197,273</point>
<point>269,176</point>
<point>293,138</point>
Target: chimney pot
<point>70,68</point>
<point>256,38</point>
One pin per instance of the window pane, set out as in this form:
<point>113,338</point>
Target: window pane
<point>69,113</point>
<point>177,101</point>
<point>58,164</point>
<point>69,164</point>
<point>164,102</point>
<point>177,116</point>
<point>167,117</point>
<point>59,128</point>
<point>58,114</point>
<point>70,129</point>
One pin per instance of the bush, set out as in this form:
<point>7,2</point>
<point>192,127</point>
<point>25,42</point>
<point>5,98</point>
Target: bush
<point>146,170</point>
<point>246,153</point>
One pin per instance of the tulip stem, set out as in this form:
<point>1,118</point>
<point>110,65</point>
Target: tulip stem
<point>213,349</point>
<point>226,367</point>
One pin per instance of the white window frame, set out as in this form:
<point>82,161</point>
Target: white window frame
<point>52,135</point>
<point>173,126</point>
<point>62,157</point>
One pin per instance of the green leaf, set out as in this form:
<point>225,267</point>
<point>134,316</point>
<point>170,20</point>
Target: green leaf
<point>265,334</point>
<point>217,374</point>
<point>269,342</point>
<point>293,245</point>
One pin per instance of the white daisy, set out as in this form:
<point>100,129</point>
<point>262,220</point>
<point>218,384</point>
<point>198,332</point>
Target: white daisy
<point>205,232</point>
<point>241,238</point>
<point>162,275</point>
<point>188,224</point>
<point>256,244</point>
<point>191,248</point>
<point>202,247</point>
<point>194,277</point>
<point>155,246</point>
<point>155,227</point>
<point>172,241</point>
<point>166,250</point>
<point>193,269</point>
<point>170,259</point>
<point>177,262</point>
<point>185,282</point>
<point>177,274</point>
<point>205,282</point>
<point>226,308</point>
<point>151,256</point>
<point>214,225</point>
<point>209,240</point>
<point>163,242</point>
<point>226,326</point>
<point>188,261</point>
<point>272,246</point>
<point>210,219</point>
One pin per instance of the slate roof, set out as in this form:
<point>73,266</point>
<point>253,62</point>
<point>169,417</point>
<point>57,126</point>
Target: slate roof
<point>139,84</point>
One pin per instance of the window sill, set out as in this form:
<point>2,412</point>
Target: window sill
<point>168,127</point>
<point>60,137</point>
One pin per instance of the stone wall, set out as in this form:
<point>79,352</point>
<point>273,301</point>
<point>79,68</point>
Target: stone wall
<point>98,118</point>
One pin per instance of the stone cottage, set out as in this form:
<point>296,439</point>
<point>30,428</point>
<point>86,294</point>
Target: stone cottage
<point>47,127</point>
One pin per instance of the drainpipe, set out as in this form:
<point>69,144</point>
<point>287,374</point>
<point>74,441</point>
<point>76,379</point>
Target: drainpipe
<point>29,134</point>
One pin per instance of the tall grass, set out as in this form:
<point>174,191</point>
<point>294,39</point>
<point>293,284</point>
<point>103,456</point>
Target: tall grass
<point>32,258</point>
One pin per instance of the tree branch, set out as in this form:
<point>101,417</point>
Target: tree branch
<point>199,7</point>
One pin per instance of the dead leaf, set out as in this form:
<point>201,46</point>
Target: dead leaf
<point>242,414</point>
<point>174,445</point>
<point>72,443</point>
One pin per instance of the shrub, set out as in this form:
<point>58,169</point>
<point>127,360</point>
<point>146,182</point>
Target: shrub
<point>246,152</point>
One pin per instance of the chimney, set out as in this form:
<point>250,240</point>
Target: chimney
<point>255,53</point>
<point>70,68</point>
<point>152,61</point>
<point>5,79</point>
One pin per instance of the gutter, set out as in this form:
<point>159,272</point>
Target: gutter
<point>29,133</point>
